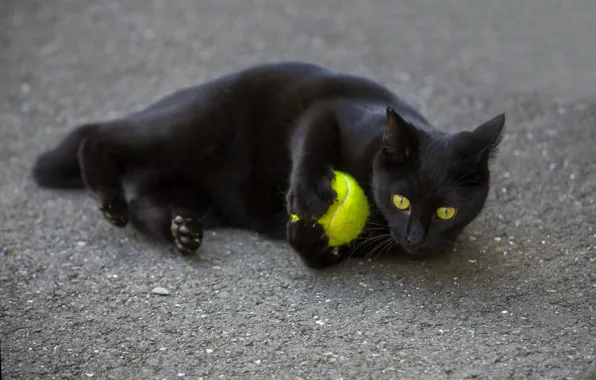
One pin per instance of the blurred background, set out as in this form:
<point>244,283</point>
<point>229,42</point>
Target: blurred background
<point>465,47</point>
<point>517,300</point>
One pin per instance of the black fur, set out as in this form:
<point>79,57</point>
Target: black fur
<point>247,148</point>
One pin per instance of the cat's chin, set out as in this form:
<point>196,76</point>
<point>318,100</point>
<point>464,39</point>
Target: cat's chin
<point>423,255</point>
<point>426,251</point>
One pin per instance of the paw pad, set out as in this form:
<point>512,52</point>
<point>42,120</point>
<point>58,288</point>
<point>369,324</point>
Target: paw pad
<point>187,233</point>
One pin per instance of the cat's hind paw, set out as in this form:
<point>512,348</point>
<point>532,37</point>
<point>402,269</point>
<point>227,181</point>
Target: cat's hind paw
<point>115,212</point>
<point>187,231</point>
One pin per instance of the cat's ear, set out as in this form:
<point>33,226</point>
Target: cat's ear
<point>400,139</point>
<point>482,144</point>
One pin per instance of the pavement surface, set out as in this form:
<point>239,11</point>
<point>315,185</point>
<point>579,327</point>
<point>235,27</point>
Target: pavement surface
<point>516,301</point>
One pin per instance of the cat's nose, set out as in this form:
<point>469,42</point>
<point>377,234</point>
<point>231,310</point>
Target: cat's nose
<point>415,240</point>
<point>416,235</point>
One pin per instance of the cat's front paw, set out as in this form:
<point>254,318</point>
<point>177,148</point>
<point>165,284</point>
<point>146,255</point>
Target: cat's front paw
<point>187,231</point>
<point>311,197</point>
<point>309,240</point>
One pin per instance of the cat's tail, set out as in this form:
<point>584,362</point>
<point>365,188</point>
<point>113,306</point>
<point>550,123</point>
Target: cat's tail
<point>59,168</point>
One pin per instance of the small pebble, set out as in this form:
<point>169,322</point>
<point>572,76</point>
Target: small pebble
<point>161,291</point>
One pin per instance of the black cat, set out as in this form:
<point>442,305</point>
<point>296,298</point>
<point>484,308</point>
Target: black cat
<point>247,148</point>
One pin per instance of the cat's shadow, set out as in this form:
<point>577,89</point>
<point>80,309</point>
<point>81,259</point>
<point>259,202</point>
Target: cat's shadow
<point>469,266</point>
<point>470,262</point>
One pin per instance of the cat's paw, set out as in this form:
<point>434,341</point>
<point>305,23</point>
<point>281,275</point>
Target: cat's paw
<point>311,198</point>
<point>115,211</point>
<point>309,240</point>
<point>187,231</point>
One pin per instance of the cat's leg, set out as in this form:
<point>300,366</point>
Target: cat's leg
<point>125,146</point>
<point>312,147</point>
<point>104,158</point>
<point>310,194</point>
<point>173,214</point>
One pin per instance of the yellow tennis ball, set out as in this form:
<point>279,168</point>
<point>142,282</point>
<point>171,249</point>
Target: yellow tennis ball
<point>345,219</point>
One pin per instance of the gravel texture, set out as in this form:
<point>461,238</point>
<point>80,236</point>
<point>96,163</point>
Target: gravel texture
<point>516,301</point>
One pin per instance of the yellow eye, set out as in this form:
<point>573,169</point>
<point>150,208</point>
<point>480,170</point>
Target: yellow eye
<point>400,202</point>
<point>445,213</point>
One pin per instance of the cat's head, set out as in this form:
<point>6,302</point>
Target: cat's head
<point>429,185</point>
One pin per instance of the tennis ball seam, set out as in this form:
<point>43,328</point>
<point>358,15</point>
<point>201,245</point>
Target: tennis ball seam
<point>339,206</point>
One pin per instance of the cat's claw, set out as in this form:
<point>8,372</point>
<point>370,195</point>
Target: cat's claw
<point>115,212</point>
<point>187,232</point>
<point>309,240</point>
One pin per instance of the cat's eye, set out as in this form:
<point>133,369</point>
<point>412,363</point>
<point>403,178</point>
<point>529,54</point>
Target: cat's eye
<point>400,202</point>
<point>445,213</point>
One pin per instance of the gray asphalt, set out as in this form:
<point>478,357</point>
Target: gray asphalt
<point>516,301</point>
